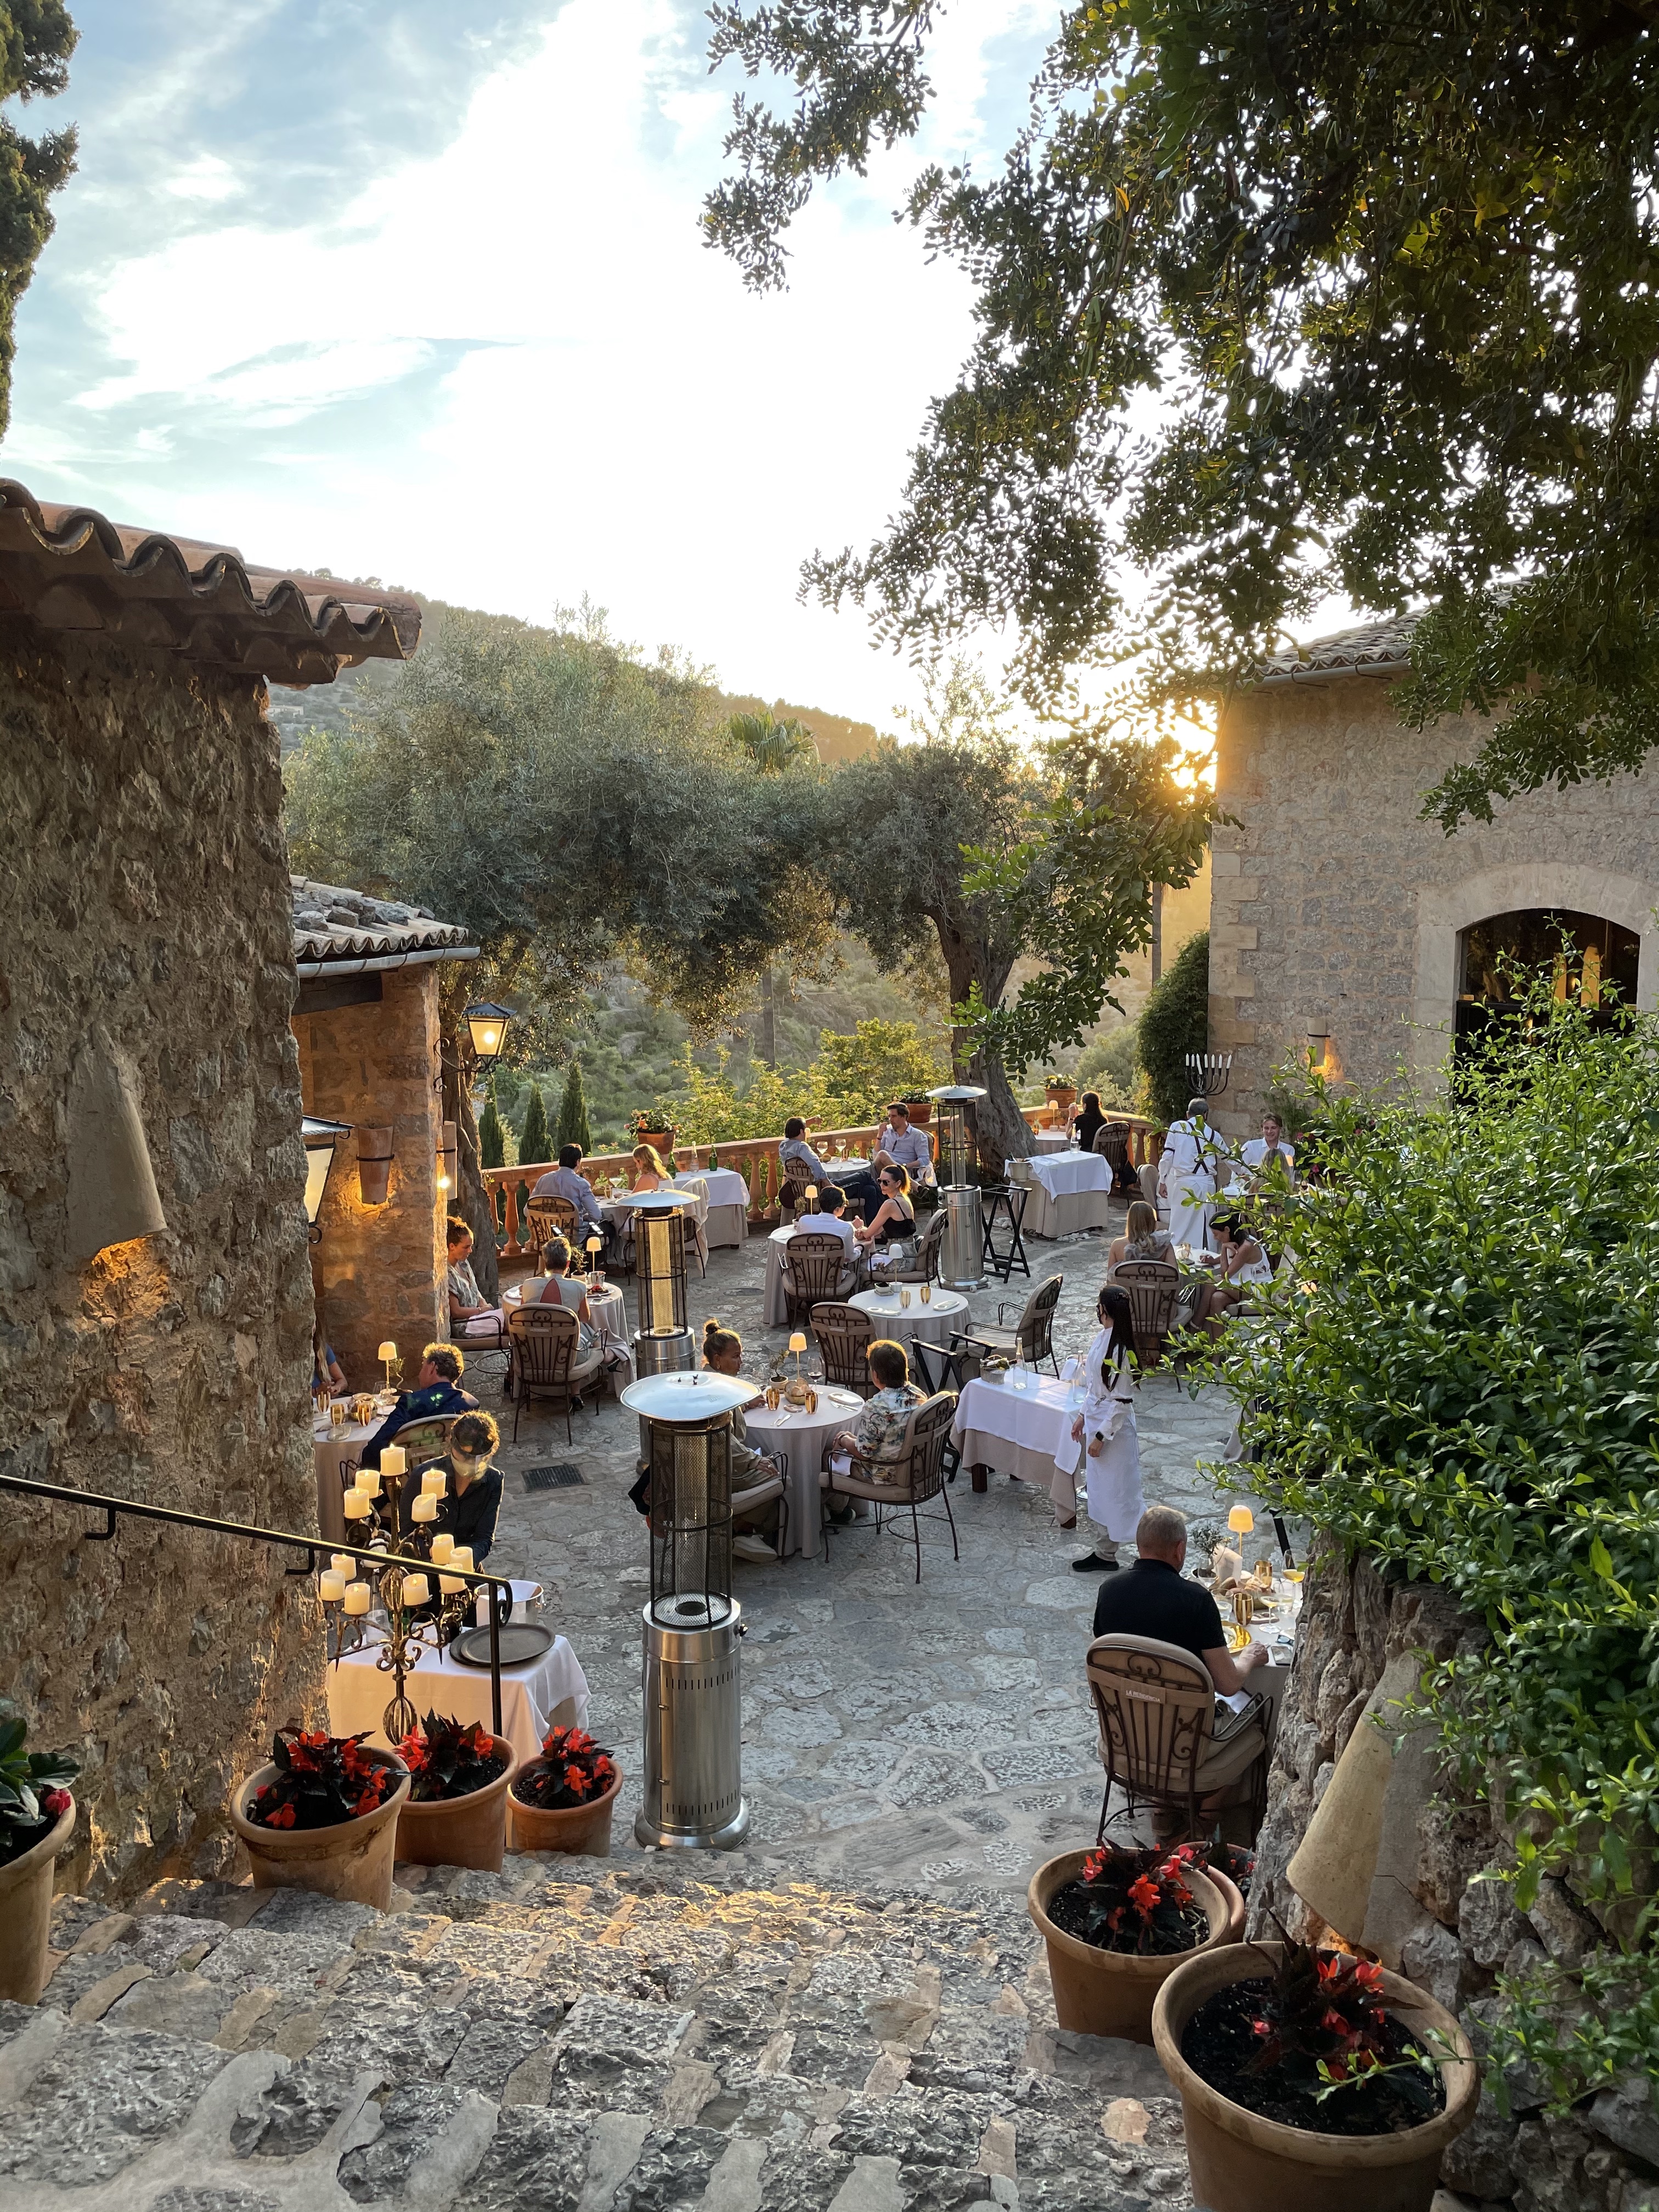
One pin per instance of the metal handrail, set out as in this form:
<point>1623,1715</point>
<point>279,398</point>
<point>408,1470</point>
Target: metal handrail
<point>311,1546</point>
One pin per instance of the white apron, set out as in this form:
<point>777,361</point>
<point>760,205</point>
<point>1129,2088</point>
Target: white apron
<point>1187,1171</point>
<point>1112,1476</point>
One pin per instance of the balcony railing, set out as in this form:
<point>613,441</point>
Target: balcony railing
<point>755,1158</point>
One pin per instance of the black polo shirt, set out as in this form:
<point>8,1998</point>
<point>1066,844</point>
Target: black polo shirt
<point>1151,1599</point>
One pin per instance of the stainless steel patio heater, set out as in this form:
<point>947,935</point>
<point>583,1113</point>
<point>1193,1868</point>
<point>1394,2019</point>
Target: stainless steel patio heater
<point>693,1762</point>
<point>962,1248</point>
<point>663,1344</point>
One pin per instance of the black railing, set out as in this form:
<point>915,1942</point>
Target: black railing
<point>114,1508</point>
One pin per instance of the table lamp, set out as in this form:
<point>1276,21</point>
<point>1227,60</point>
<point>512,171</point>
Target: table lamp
<point>812,1196</point>
<point>1241,1521</point>
<point>386,1355</point>
<point>595,1246</point>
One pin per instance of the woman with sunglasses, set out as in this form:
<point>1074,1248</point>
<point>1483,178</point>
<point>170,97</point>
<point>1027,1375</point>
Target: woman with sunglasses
<point>1103,1438</point>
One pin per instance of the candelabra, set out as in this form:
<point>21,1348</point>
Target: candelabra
<point>1208,1072</point>
<point>417,1618</point>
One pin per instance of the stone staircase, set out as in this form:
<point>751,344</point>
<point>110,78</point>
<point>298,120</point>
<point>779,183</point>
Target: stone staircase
<point>571,2036</point>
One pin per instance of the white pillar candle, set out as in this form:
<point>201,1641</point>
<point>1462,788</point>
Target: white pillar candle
<point>357,1598</point>
<point>416,1589</point>
<point>432,1482</point>
<point>331,1586</point>
<point>394,1460</point>
<point>461,1558</point>
<point>442,1545</point>
<point>450,1585</point>
<point>354,1505</point>
<point>343,1564</point>
<point>423,1509</point>
<point>368,1481</point>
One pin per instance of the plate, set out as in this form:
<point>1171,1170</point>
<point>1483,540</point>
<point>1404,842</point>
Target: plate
<point>841,1397</point>
<point>521,1642</point>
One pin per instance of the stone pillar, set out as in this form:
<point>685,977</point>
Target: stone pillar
<point>379,1269</point>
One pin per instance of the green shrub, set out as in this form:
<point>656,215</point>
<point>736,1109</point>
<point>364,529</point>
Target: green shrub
<point>1175,1021</point>
<point>1111,1065</point>
<point>492,1137</point>
<point>573,1112</point>
<point>535,1145</point>
<point>1470,1392</point>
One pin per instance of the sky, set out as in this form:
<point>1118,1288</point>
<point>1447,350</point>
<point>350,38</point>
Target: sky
<point>418,293</point>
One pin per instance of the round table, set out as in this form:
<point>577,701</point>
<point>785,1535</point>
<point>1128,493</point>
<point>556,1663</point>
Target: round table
<point>933,1324</point>
<point>801,1438</point>
<point>605,1303</point>
<point>1054,1141</point>
<point>775,1304</point>
<point>335,1449</point>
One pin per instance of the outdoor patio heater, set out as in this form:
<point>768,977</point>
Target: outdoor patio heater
<point>663,1345</point>
<point>961,1249</point>
<point>693,1761</point>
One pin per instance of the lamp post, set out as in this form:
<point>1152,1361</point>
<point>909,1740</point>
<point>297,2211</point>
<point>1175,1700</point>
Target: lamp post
<point>487,1026</point>
<point>693,1752</point>
<point>961,1249</point>
<point>321,1139</point>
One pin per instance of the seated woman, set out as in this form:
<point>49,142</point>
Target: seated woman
<point>653,1172</point>
<point>1142,1238</point>
<point>722,1354</point>
<point>877,1438</point>
<point>559,1287</point>
<point>1241,1261</point>
<point>469,1314</point>
<point>473,1488</point>
<point>895,1218</point>
<point>327,1376</point>
<point>1087,1120</point>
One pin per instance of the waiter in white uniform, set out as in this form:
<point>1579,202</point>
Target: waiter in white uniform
<point>1103,1438</point>
<point>1187,1175</point>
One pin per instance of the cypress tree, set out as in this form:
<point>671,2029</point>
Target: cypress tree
<point>535,1145</point>
<point>1175,1021</point>
<point>573,1111</point>
<point>492,1138</point>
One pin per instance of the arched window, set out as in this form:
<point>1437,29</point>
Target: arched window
<point>1592,959</point>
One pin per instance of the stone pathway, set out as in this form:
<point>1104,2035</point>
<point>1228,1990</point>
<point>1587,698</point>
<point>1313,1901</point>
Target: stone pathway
<point>570,2036</point>
<point>939,1734</point>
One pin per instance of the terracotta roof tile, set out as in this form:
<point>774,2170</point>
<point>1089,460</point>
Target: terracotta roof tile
<point>1380,648</point>
<point>332,923</point>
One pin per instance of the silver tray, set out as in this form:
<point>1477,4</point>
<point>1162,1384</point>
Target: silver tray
<point>521,1642</point>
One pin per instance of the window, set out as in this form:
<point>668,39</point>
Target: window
<point>1591,959</point>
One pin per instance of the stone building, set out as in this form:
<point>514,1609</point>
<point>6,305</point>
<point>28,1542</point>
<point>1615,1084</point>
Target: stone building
<point>1337,910</point>
<point>155,1303</point>
<point>366,1023</point>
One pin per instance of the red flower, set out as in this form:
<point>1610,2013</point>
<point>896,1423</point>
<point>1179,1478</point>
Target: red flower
<point>1144,1896</point>
<point>1094,1866</point>
<point>576,1781</point>
<point>54,1803</point>
<point>1261,2027</point>
<point>281,1816</point>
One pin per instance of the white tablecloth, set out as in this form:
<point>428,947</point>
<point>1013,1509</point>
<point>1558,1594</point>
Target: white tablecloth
<point>605,1303</point>
<point>1069,1192</point>
<point>1014,1431</point>
<point>934,1323</point>
<point>728,1203</point>
<point>802,1438</point>
<point>550,1692</point>
<point>331,1448</point>
<point>773,1305</point>
<point>1054,1141</point>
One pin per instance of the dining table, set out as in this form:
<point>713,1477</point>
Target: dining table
<point>1014,1425</point>
<point>899,1314</point>
<point>728,1203</point>
<point>1054,1141</point>
<point>800,1439</point>
<point>336,1450</point>
<point>1070,1191</point>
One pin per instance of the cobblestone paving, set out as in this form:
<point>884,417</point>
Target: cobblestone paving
<point>938,1735</point>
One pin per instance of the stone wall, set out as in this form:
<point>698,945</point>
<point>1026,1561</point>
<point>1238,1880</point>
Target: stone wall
<point>1335,905</point>
<point>1601,2158</point>
<point>146,891</point>
<point>379,1269</point>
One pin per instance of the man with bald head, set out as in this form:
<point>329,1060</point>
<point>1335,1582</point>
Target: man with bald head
<point>1154,1599</point>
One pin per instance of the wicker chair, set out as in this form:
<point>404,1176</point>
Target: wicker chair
<point>546,1362</point>
<point>1153,1286</point>
<point>1032,1336</point>
<point>844,1334</point>
<point>924,1268</point>
<point>1156,1705</point>
<point>914,1477</point>
<point>554,1216</point>
<point>816,1267</point>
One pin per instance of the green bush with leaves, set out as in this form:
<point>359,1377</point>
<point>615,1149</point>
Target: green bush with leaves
<point>847,1085</point>
<point>1470,1392</point>
<point>1111,1067</point>
<point>1175,1021</point>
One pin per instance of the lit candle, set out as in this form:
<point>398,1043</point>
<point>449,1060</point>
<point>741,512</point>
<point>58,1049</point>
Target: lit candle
<point>368,1481</point>
<point>432,1482</point>
<point>416,1589</point>
<point>461,1558</point>
<point>423,1509</point>
<point>343,1564</point>
<point>394,1460</point>
<point>354,1505</point>
<point>331,1586</point>
<point>358,1596</point>
<point>449,1583</point>
<point>442,1545</point>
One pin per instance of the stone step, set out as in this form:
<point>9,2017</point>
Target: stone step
<point>572,2037</point>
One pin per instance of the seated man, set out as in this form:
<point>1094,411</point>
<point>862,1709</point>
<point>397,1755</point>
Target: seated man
<point>472,1491</point>
<point>902,1147</point>
<point>1268,1152</point>
<point>1155,1599</point>
<point>829,1220</point>
<point>795,1153</point>
<point>565,1181</point>
<point>437,1390</point>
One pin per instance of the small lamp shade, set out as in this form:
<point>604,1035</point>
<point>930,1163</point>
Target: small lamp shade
<point>1241,1520</point>
<point>487,1026</point>
<point>446,1159</point>
<point>387,1351</point>
<point>798,1341</point>
<point>112,1196</point>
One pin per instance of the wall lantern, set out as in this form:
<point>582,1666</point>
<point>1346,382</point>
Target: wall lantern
<point>447,1160</point>
<point>374,1150</point>
<point>112,1196</point>
<point>488,1025</point>
<point>321,1139</point>
<point>1318,1046</point>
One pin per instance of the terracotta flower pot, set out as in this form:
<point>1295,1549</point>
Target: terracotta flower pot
<point>25,1912</point>
<point>1235,1905</point>
<point>461,1831</point>
<point>1110,1992</point>
<point>584,1830</point>
<point>351,1861</point>
<point>661,1142</point>
<point>920,1111</point>
<point>1241,2163</point>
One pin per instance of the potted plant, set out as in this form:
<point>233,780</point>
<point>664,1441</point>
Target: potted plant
<point>1116,1922</point>
<point>653,1127</point>
<point>1060,1092</point>
<point>455,1814</point>
<point>564,1800</point>
<point>919,1109</point>
<point>1310,2078</point>
<point>37,1819</point>
<point>323,1816</point>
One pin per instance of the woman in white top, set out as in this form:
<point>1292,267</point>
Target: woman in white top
<point>1104,1437</point>
<point>1241,1262</point>
<point>469,1313</point>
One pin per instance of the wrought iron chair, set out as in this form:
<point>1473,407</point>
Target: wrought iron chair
<point>1032,1336</point>
<point>554,1216</point>
<point>1153,1286</point>
<point>792,1189</point>
<point>912,1479</point>
<point>1112,1144</point>
<point>816,1267</point>
<point>844,1334</point>
<point>1005,1203</point>
<point>546,1362</point>
<point>1155,1703</point>
<point>424,1441</point>
<point>924,1268</point>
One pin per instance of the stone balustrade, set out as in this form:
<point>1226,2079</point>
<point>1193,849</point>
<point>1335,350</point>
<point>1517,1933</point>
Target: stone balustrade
<point>755,1158</point>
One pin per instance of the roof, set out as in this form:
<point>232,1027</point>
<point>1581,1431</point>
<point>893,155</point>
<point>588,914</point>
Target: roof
<point>71,568</point>
<point>1380,648</point>
<point>333,925</point>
